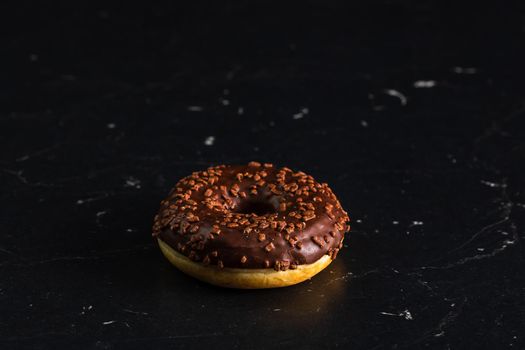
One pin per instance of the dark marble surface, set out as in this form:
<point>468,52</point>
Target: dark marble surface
<point>413,113</point>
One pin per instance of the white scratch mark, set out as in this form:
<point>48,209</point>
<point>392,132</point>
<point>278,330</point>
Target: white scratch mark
<point>468,259</point>
<point>301,114</point>
<point>3,250</point>
<point>464,70</point>
<point>225,102</point>
<point>388,313</point>
<point>493,184</point>
<point>416,223</point>
<point>424,84</point>
<point>108,322</point>
<point>195,108</point>
<point>18,175</point>
<point>452,159</point>
<point>209,141</point>
<point>93,199</point>
<point>86,308</point>
<point>135,312</point>
<point>132,182</point>
<point>405,314</point>
<point>395,222</point>
<point>37,153</point>
<point>394,93</point>
<point>276,310</point>
<point>99,216</point>
<point>343,278</point>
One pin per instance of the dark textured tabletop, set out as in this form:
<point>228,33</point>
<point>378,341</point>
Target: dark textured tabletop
<point>414,113</point>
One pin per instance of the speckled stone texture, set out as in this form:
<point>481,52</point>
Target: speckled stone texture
<point>413,113</point>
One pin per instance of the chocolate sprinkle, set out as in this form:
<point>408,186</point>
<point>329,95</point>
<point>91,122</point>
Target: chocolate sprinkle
<point>269,247</point>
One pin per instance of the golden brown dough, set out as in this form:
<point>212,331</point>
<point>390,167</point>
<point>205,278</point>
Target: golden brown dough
<point>243,278</point>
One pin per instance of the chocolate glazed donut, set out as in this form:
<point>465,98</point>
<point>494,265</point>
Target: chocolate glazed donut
<point>250,226</point>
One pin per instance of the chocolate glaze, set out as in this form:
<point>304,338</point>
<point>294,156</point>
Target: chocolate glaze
<point>252,216</point>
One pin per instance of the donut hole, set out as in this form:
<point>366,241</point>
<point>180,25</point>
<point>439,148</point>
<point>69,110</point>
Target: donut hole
<point>255,206</point>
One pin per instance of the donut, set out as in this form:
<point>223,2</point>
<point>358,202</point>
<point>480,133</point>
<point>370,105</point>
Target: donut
<point>250,226</point>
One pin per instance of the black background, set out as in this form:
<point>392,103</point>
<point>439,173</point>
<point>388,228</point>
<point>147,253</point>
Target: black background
<point>99,118</point>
